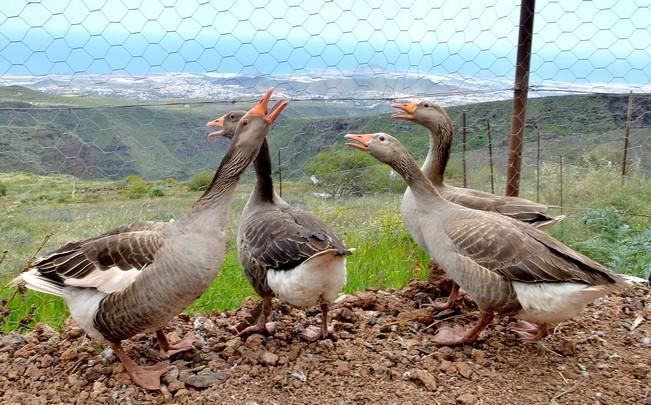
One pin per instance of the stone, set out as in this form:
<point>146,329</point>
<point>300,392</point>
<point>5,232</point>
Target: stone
<point>447,366</point>
<point>422,377</point>
<point>46,361</point>
<point>268,359</point>
<point>467,399</point>
<point>205,380</point>
<point>12,341</point>
<point>254,341</point>
<point>69,354</point>
<point>464,369</point>
<point>343,368</point>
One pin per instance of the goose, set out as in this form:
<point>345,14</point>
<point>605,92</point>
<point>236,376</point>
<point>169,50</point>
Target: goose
<point>507,267</point>
<point>285,251</point>
<point>136,278</point>
<point>436,120</point>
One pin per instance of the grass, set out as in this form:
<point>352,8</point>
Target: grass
<point>607,220</point>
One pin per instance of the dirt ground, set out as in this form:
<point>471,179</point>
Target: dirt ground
<point>383,353</point>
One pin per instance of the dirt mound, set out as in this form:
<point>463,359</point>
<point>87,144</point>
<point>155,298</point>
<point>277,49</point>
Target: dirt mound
<point>383,354</point>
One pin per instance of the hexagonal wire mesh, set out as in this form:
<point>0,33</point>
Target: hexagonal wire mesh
<point>103,89</point>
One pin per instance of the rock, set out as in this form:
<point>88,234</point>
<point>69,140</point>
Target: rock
<point>205,380</point>
<point>254,341</point>
<point>344,315</point>
<point>107,356</point>
<point>343,368</point>
<point>640,371</point>
<point>467,399</point>
<point>567,347</point>
<point>181,393</point>
<point>69,354</point>
<point>646,341</point>
<point>46,361</point>
<point>12,342</point>
<point>423,315</point>
<point>463,369</point>
<point>268,359</point>
<point>422,377</point>
<point>171,376</point>
<point>447,366</point>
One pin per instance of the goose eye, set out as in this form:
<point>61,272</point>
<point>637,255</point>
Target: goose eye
<point>245,123</point>
<point>231,116</point>
<point>426,105</point>
<point>382,138</point>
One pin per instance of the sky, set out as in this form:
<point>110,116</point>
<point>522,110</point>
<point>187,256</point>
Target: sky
<point>575,42</point>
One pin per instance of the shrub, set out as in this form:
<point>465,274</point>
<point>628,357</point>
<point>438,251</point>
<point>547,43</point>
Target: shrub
<point>135,187</point>
<point>200,181</point>
<point>3,189</point>
<point>156,192</point>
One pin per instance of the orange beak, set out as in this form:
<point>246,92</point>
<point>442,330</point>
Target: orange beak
<point>219,123</point>
<point>409,108</point>
<point>361,141</point>
<point>260,109</point>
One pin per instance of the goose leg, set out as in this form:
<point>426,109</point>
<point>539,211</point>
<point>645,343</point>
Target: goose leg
<point>261,326</point>
<point>528,332</point>
<point>168,349</point>
<point>313,333</point>
<point>449,303</point>
<point>147,377</point>
<point>458,335</point>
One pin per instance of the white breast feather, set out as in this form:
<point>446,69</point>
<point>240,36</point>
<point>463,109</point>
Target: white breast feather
<point>108,281</point>
<point>555,302</point>
<point>317,280</point>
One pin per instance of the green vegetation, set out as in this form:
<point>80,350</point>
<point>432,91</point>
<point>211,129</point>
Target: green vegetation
<point>345,173</point>
<point>607,220</point>
<point>200,181</point>
<point>135,187</point>
<point>3,189</point>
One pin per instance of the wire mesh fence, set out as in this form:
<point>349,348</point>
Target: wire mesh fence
<point>104,89</point>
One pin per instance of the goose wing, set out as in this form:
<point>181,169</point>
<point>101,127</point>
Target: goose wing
<point>520,252</point>
<point>282,239</point>
<point>108,262</point>
<point>514,207</point>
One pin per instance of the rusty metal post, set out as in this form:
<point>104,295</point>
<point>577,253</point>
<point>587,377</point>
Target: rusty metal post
<point>520,91</point>
<point>463,131</point>
<point>627,130</point>
<point>561,184</point>
<point>490,155</point>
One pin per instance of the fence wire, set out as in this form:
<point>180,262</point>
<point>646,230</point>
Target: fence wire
<point>105,89</point>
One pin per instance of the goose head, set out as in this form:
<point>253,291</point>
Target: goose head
<point>424,112</point>
<point>380,145</point>
<point>227,123</point>
<point>256,123</point>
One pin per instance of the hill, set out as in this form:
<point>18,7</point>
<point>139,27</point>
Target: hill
<point>94,137</point>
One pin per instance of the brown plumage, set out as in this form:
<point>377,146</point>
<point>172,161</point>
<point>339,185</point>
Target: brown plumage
<point>439,125</point>
<point>506,266</point>
<point>285,251</point>
<point>436,120</point>
<point>135,278</point>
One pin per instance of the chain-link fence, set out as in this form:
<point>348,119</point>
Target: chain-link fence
<point>104,89</point>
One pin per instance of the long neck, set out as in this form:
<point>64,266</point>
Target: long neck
<point>440,142</point>
<point>420,185</point>
<point>222,187</point>
<point>264,187</point>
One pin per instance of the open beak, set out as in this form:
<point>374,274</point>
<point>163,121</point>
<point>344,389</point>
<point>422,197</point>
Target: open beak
<point>218,123</point>
<point>409,108</point>
<point>275,111</point>
<point>360,141</point>
<point>260,109</point>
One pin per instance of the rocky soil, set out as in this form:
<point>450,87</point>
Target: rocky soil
<point>383,353</point>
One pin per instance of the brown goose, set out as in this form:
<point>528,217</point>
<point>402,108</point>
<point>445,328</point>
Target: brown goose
<point>286,252</point>
<point>506,266</point>
<point>135,278</point>
<point>436,120</point>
